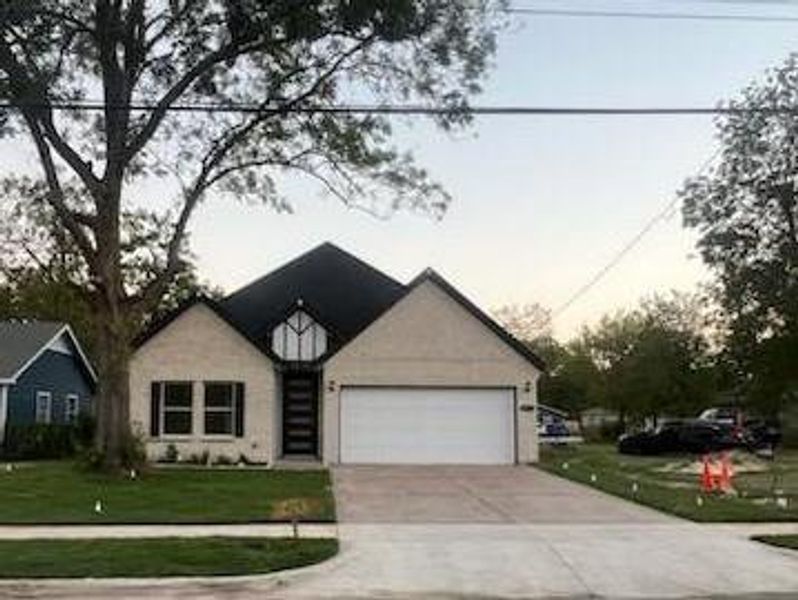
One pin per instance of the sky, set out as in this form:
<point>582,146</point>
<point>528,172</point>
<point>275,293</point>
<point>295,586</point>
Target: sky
<point>541,204</point>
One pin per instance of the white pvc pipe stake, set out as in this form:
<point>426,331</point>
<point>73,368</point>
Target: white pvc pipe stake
<point>635,487</point>
<point>565,466</point>
<point>699,501</point>
<point>98,507</point>
<point>593,478</point>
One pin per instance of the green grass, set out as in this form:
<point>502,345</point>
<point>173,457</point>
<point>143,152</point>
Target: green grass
<point>158,557</point>
<point>678,493</point>
<point>781,541</point>
<point>60,492</point>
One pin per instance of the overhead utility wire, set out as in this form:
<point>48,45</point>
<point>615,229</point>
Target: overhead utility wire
<point>624,14</point>
<point>409,109</point>
<point>627,248</point>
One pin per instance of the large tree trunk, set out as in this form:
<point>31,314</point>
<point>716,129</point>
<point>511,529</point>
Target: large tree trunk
<point>113,439</point>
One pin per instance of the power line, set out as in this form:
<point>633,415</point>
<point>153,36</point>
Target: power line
<point>627,248</point>
<point>411,109</point>
<point>670,16</point>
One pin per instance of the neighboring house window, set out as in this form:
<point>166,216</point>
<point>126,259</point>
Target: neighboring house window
<point>71,408</point>
<point>176,403</point>
<point>299,338</point>
<point>44,407</point>
<point>224,408</point>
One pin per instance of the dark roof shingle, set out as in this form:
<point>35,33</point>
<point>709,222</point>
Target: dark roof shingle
<point>20,341</point>
<point>341,291</point>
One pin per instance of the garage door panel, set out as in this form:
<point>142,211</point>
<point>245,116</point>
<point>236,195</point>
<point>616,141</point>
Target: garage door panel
<point>427,426</point>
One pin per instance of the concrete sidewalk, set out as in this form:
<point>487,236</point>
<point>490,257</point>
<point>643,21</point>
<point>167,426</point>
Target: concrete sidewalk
<point>276,530</point>
<point>271,530</point>
<point>630,561</point>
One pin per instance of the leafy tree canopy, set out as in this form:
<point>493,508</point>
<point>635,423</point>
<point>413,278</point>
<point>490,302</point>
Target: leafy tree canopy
<point>144,62</point>
<point>746,215</point>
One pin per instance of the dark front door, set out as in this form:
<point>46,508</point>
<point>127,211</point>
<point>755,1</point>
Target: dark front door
<point>300,413</point>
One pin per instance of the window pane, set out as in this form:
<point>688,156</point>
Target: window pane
<point>177,422</point>
<point>219,423</point>
<point>178,394</point>
<point>43,408</point>
<point>72,409</point>
<point>218,395</point>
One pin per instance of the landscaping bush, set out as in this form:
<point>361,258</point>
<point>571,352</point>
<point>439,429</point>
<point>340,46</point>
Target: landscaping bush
<point>85,428</point>
<point>39,441</point>
<point>171,455</point>
<point>789,427</point>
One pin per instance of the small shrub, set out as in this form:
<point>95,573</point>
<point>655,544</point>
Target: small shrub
<point>789,427</point>
<point>171,455</point>
<point>203,458</point>
<point>222,460</point>
<point>39,441</point>
<point>85,428</point>
<point>133,453</point>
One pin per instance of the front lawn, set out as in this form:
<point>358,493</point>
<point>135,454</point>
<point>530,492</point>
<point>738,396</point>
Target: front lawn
<point>666,483</point>
<point>59,492</point>
<point>158,557</point>
<point>781,541</point>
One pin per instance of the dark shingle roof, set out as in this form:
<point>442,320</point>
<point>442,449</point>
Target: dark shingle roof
<point>342,292</point>
<point>20,341</point>
<point>339,290</point>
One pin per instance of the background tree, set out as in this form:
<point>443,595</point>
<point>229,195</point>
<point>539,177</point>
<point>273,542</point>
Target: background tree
<point>284,60</point>
<point>39,278</point>
<point>746,215</point>
<point>527,322</point>
<point>572,382</point>
<point>645,363</point>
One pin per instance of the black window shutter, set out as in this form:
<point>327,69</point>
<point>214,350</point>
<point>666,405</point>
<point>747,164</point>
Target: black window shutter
<point>239,399</point>
<point>155,408</point>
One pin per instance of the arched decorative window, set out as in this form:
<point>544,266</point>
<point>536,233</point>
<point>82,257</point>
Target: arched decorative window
<point>299,338</point>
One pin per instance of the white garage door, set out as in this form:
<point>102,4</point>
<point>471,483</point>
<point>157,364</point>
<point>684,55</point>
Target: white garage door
<point>427,426</point>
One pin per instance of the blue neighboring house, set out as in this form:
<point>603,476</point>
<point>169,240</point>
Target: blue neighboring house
<point>45,376</point>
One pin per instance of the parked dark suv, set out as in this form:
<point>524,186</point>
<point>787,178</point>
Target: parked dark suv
<point>693,436</point>
<point>752,433</point>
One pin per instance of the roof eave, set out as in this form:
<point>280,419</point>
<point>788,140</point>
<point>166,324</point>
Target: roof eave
<point>516,344</point>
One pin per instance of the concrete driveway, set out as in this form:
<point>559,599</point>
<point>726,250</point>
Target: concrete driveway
<point>475,495</point>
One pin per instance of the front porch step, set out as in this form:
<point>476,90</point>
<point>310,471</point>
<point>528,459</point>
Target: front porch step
<point>298,462</point>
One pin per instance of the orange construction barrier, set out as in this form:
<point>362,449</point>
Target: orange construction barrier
<point>714,479</point>
<point>707,482</point>
<point>726,473</point>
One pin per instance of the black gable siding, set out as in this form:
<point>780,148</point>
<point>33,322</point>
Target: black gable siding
<point>54,372</point>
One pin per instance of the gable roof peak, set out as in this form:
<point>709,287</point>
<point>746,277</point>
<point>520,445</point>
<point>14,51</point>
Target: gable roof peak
<point>520,347</point>
<point>22,341</point>
<point>343,292</point>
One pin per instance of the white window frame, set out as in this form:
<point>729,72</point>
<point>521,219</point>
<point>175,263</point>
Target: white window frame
<point>71,408</point>
<point>47,397</point>
<point>217,409</point>
<point>184,409</point>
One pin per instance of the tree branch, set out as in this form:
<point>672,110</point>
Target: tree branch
<point>152,291</point>
<point>36,107</point>
<point>55,197</point>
